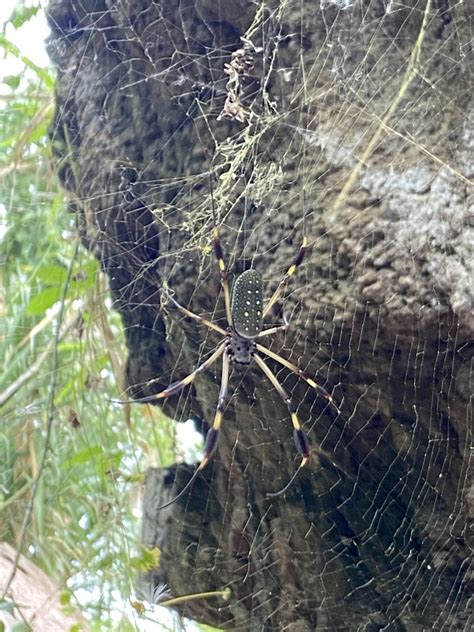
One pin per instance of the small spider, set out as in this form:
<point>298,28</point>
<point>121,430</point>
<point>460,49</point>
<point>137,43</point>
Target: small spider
<point>245,313</point>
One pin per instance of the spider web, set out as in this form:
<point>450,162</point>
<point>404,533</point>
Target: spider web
<point>346,120</point>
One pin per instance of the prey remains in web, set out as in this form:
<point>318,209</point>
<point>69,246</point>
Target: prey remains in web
<point>245,310</point>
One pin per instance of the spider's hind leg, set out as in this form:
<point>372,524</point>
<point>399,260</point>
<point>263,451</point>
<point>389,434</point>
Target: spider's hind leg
<point>299,435</point>
<point>212,436</point>
<point>299,372</point>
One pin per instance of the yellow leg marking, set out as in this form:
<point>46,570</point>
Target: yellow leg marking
<point>203,463</point>
<point>217,420</point>
<point>290,272</point>
<point>174,388</point>
<point>295,369</point>
<point>295,421</point>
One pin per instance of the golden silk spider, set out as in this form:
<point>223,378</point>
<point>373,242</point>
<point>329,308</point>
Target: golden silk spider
<point>245,312</point>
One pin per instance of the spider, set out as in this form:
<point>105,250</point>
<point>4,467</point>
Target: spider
<point>245,313</point>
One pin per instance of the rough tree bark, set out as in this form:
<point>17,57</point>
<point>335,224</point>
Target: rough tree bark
<point>364,107</point>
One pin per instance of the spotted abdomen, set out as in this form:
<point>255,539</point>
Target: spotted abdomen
<point>246,308</point>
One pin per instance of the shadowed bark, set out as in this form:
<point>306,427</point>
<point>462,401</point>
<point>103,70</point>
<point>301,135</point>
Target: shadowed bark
<point>363,109</point>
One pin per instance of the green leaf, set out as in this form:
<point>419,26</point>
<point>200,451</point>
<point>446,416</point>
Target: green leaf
<point>43,301</point>
<point>149,558</point>
<point>83,456</point>
<point>55,275</point>
<point>51,275</point>
<point>22,14</point>
<point>85,276</point>
<point>21,627</point>
<point>12,49</point>
<point>12,81</point>
<point>65,597</point>
<point>7,606</point>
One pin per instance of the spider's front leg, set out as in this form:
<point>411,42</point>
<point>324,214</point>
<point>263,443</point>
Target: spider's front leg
<point>190,314</point>
<point>219,254</point>
<point>297,261</point>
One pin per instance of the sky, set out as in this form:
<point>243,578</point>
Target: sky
<point>29,38</point>
<point>30,41</point>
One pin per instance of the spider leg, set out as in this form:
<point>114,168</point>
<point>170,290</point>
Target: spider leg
<point>297,261</point>
<point>219,254</point>
<point>194,316</point>
<point>299,372</point>
<point>274,330</point>
<point>212,436</point>
<point>301,440</point>
<point>175,387</point>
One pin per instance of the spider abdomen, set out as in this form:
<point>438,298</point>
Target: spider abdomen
<point>246,308</point>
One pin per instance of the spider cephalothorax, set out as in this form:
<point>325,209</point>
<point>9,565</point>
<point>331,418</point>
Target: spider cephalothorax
<point>245,313</point>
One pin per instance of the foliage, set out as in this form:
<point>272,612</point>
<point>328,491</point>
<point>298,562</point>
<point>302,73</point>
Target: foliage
<point>71,464</point>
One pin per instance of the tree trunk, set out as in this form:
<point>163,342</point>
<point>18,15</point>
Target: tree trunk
<point>32,600</point>
<point>348,121</point>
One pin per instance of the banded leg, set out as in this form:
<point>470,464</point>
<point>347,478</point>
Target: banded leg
<point>299,436</point>
<point>219,254</point>
<point>297,261</point>
<point>299,372</point>
<point>194,316</point>
<point>212,436</point>
<point>175,387</point>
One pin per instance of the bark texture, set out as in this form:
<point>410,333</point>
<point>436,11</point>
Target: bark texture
<point>364,108</point>
<point>37,599</point>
